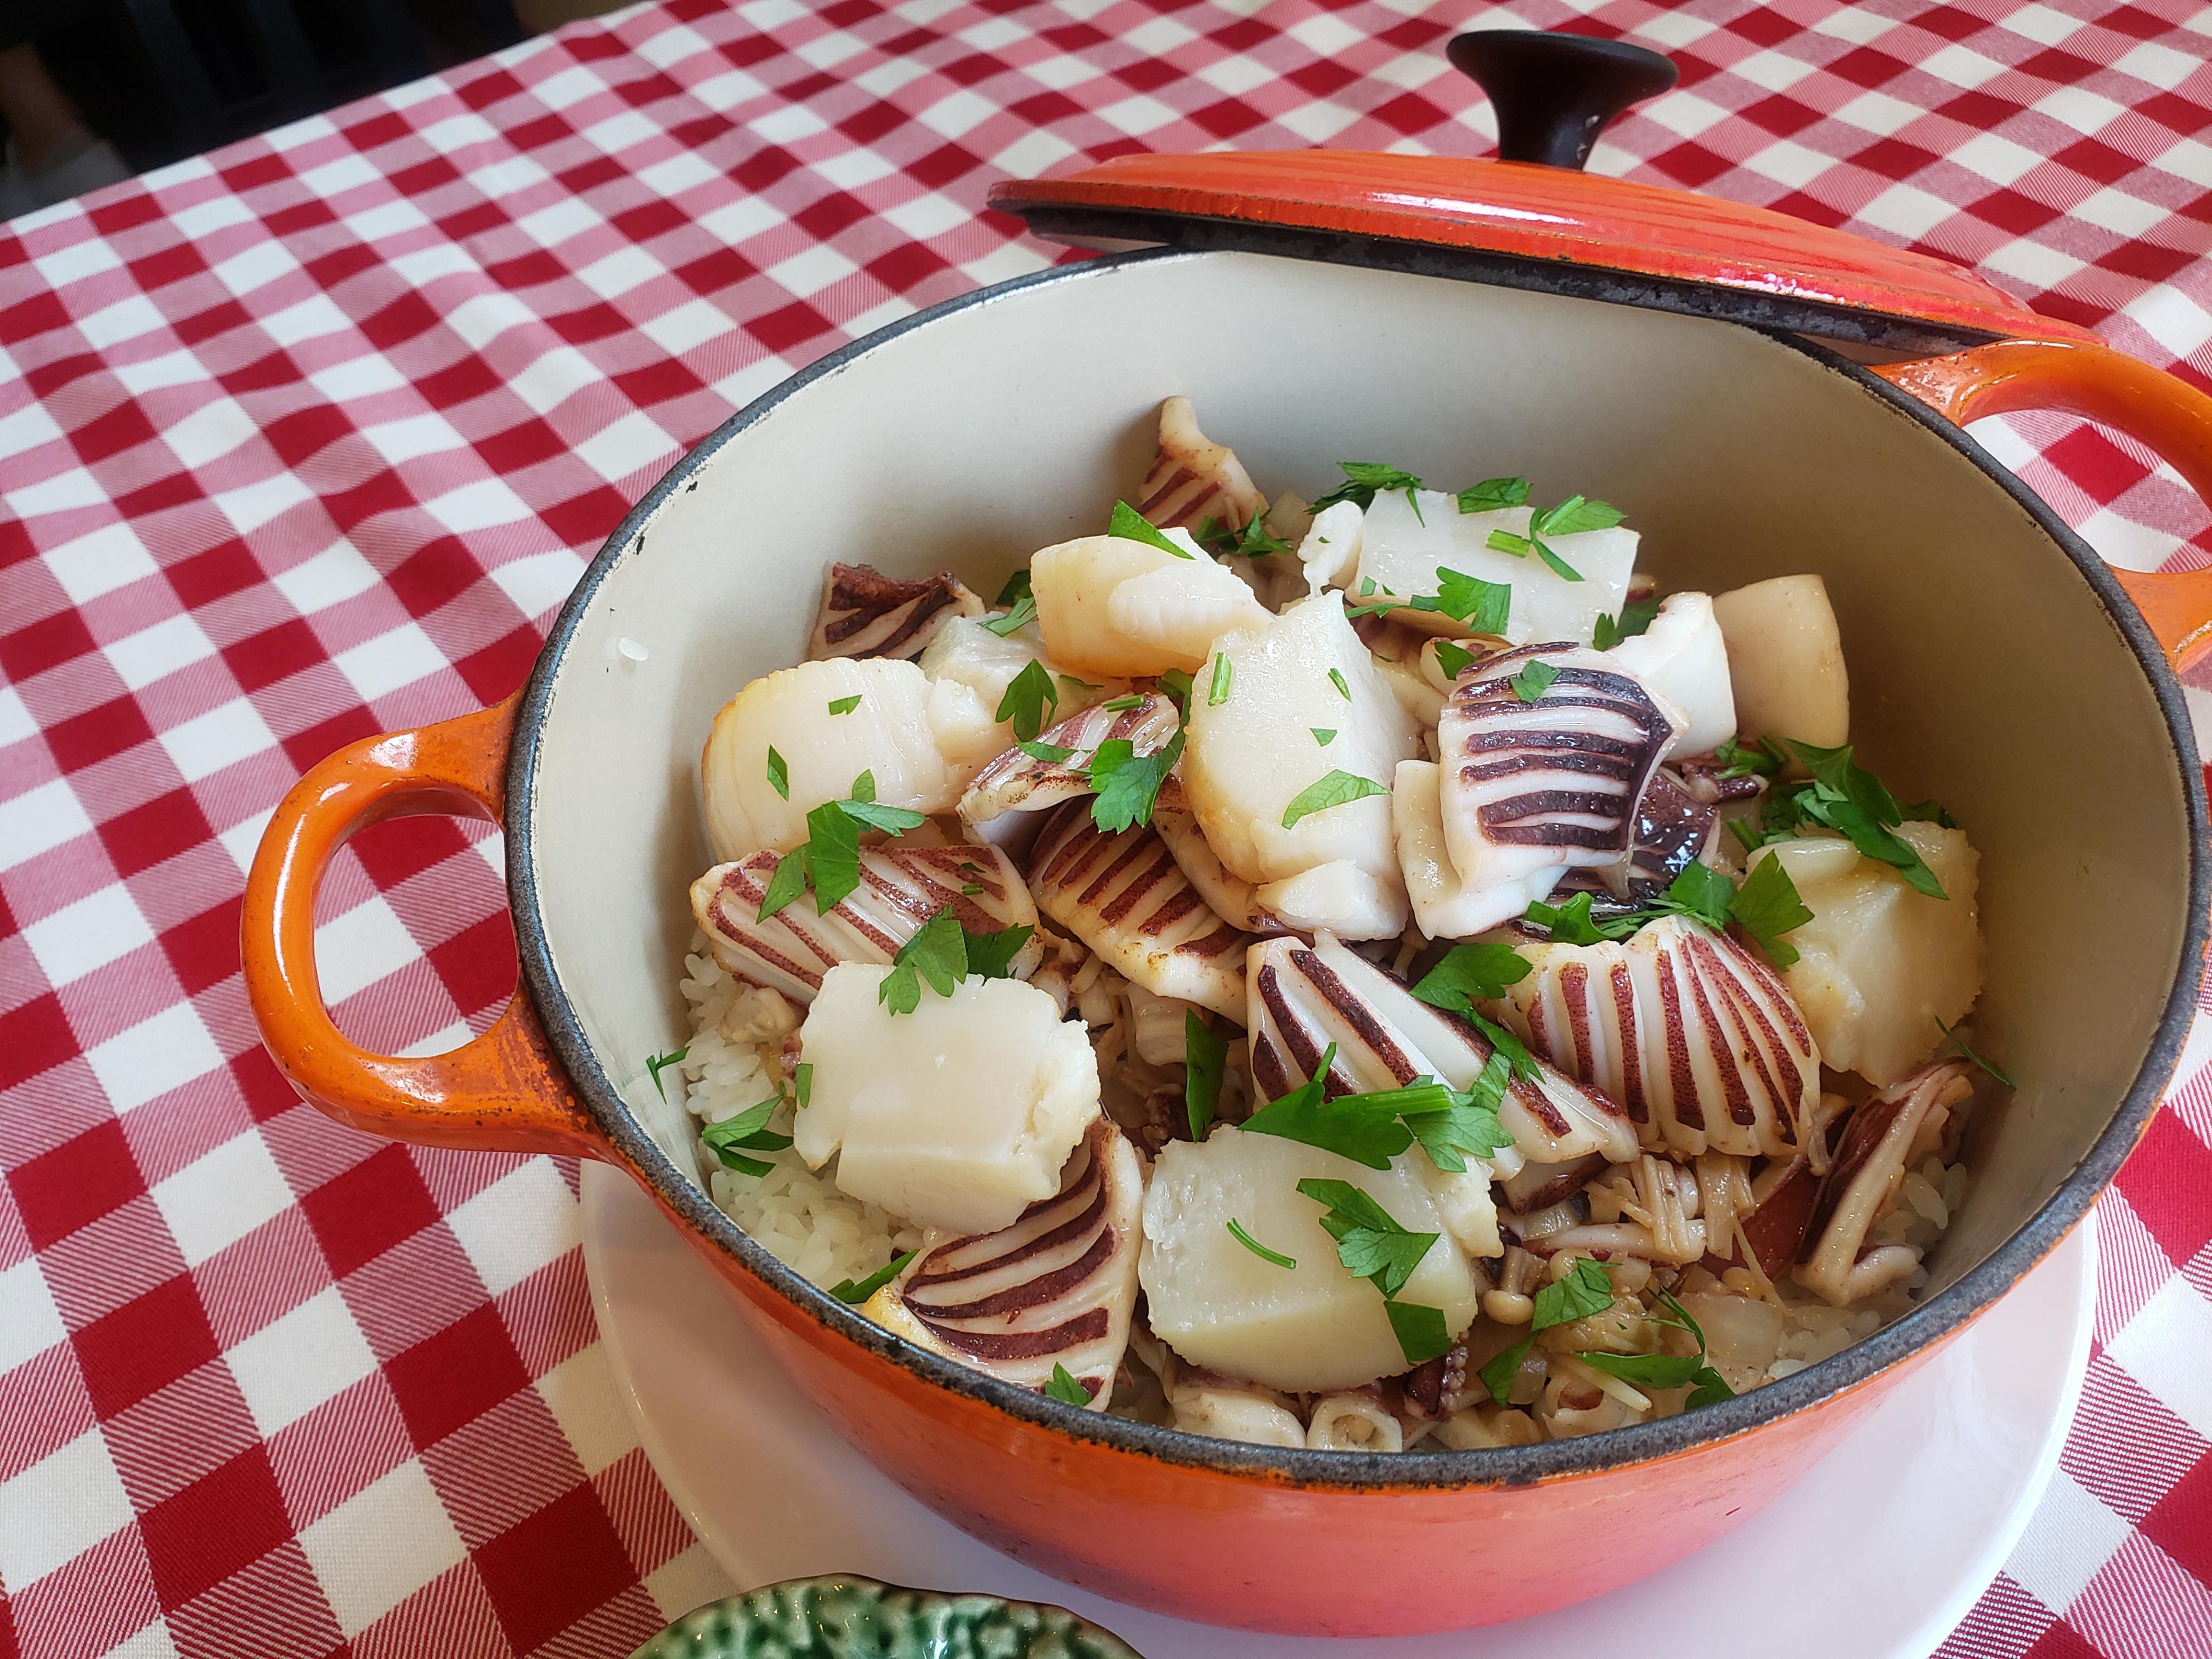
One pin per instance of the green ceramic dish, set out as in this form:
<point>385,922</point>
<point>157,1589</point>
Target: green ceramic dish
<point>848,1618</point>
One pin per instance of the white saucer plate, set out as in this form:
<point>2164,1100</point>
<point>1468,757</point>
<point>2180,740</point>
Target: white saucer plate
<point>1925,1500</point>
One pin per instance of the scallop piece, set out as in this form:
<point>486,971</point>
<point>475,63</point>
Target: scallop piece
<point>958,1115</point>
<point>920,740</point>
<point>865,613</point>
<point>1444,905</point>
<point>1124,896</point>
<point>1108,605</point>
<point>1786,661</point>
<point>1692,1033</point>
<point>1527,786</point>
<point>1328,554</point>
<point>1682,659</point>
<point>1402,548</point>
<point>1055,1287</point>
<point>1004,804</point>
<point>1309,1327</point>
<point>1861,1185</point>
<point>1304,998</point>
<point>1254,753</point>
<point>1879,963</point>
<point>1193,479</point>
<point>900,888</point>
<point>987,663</point>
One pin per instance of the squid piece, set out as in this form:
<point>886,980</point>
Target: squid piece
<point>1206,1402</point>
<point>1673,829</point>
<point>1527,786</point>
<point>1403,543</point>
<point>1355,1420</point>
<point>1055,1287</point>
<point>1861,1185</point>
<point>1127,899</point>
<point>1256,752</point>
<point>865,613</point>
<point>1786,661</point>
<point>1693,1034</point>
<point>920,740</point>
<point>1682,660</point>
<point>1108,605</point>
<point>1444,907</point>
<point>1005,804</point>
<point>1328,553</point>
<point>958,1115</point>
<point>1194,480</point>
<point>1235,901</point>
<point>1305,997</point>
<point>900,888</point>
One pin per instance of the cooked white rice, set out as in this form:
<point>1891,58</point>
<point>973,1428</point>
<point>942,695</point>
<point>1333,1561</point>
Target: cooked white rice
<point>797,1213</point>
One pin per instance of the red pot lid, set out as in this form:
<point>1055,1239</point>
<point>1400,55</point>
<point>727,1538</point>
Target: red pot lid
<point>1524,225</point>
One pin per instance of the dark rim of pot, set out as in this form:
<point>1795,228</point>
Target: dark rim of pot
<point>1489,1466</point>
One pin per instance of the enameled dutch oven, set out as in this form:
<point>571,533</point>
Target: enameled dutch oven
<point>1637,344</point>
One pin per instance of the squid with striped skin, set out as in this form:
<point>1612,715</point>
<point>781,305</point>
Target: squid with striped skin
<point>1005,806</point>
<point>1057,1287</point>
<point>1693,1034</point>
<point>900,888</point>
<point>1879,1145</point>
<point>865,613</point>
<point>1194,480</point>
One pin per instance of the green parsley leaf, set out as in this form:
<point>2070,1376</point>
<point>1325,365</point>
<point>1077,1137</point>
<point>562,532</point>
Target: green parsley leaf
<point>1420,1329</point>
<point>1023,613</point>
<point>1277,1257</point>
<point>1016,590</point>
<point>1350,1126</point>
<point>1504,541</point>
<point>1116,705</point>
<point>1498,1375</point>
<point>1841,780</point>
<point>1205,1057</point>
<point>1483,606</point>
<point>748,1130</point>
<point>1454,659</point>
<point>1470,974</point>
<point>1872,839</point>
<point>1336,679</point>
<point>802,1084</point>
<point>1177,684</point>
<point>779,774</point>
<point>1073,687</point>
<point>1533,681</point>
<point>1253,542</point>
<point>853,1292</point>
<point>1560,568</point>
<point>1929,811</point>
<point>1029,696</point>
<point>1635,617</point>
<point>1338,789</point>
<point>1065,1389</point>
<point>1525,1065</point>
<point>1994,1070</point>
<point>896,819</point>
<point>1586,1290</point>
<point>1050,753</point>
<point>1766,907</point>
<point>1572,923</point>
<point>864,787</point>
<point>1364,480</point>
<point>1224,672</point>
<point>1647,1370</point>
<point>1130,525</point>
<point>845,705</point>
<point>1492,494</point>
<point>1129,783</point>
<point>971,889</point>
<point>655,1064</point>
<point>1712,1389</point>
<point>788,882</point>
<point>990,955</point>
<point>1369,1241</point>
<point>1746,837</point>
<point>1703,892</point>
<point>1575,515</point>
<point>833,853</point>
<point>1748,760</point>
<point>1322,735</point>
<point>939,953</point>
<point>1467,1125</point>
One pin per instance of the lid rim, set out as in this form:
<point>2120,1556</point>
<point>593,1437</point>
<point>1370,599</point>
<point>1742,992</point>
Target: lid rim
<point>1115,229</point>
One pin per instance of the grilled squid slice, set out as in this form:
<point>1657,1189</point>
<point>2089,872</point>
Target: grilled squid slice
<point>1861,1186</point>
<point>1194,480</point>
<point>1126,899</point>
<point>1234,900</point>
<point>1527,786</point>
<point>865,613</point>
<point>1682,659</point>
<point>900,888</point>
<point>1057,1287</point>
<point>1444,905</point>
<point>1004,804</point>
<point>1305,997</point>
<point>1673,829</point>
<point>1693,1035</point>
<point>1230,1408</point>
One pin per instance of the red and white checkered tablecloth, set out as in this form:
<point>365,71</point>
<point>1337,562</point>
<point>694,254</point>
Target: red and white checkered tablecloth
<point>307,440</point>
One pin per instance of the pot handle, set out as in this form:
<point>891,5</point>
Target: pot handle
<point>2099,384</point>
<point>505,1092</point>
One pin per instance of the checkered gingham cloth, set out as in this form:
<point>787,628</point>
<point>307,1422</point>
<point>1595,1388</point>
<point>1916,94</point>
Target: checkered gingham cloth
<point>307,440</point>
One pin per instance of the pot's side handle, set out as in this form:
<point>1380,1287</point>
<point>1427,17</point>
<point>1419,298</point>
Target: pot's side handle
<point>2172,418</point>
<point>504,1091</point>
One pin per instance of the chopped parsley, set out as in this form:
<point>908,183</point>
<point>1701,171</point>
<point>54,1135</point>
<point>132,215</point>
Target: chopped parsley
<point>802,1084</point>
<point>853,1292</point>
<point>1373,1246</point>
<point>1253,542</point>
<point>748,1131</point>
<point>1204,1055</point>
<point>1483,606</point>
<point>656,1063</point>
<point>1323,735</point>
<point>1050,753</point>
<point>1223,673</point>
<point>1364,480</point>
<point>1575,515</point>
<point>944,952</point>
<point>1128,700</point>
<point>1766,907</point>
<point>1668,1370</point>
<point>1584,1290</point>
<point>1030,699</point>
<point>1065,1389</point>
<point>1993,1069</point>
<point>1454,659</point>
<point>1023,613</point>
<point>1016,590</point>
<point>779,774</point>
<point>1470,974</point>
<point>1533,681</point>
<point>1635,616</point>
<point>1748,760</point>
<point>1374,1127</point>
<point>1336,679</point>
<point>1338,789</point>
<point>845,705</point>
<point>1850,800</point>
<point>1492,494</point>
<point>1276,1257</point>
<point>1129,783</point>
<point>1177,684</point>
<point>1130,525</point>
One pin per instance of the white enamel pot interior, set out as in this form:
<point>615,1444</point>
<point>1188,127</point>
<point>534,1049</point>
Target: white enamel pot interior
<point>1993,665</point>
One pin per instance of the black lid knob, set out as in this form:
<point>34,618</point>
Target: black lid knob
<point>1554,93</point>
